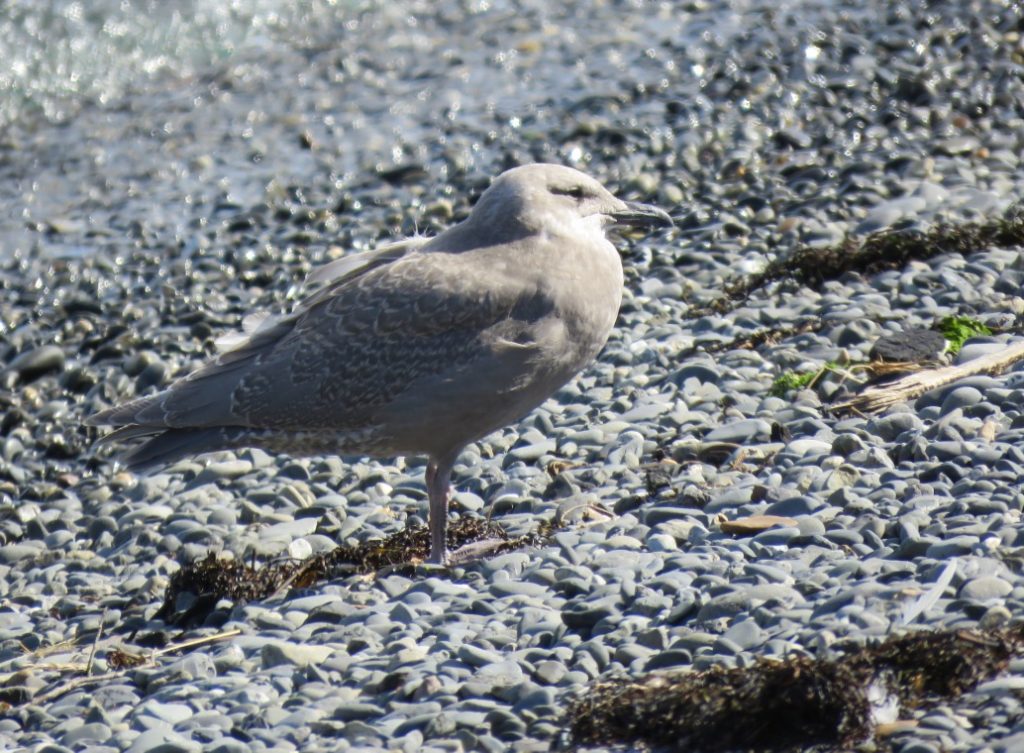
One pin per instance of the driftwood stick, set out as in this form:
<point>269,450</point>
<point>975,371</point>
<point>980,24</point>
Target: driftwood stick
<point>874,399</point>
<point>73,683</point>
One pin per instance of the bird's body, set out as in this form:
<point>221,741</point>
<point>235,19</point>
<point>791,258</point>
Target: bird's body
<point>417,348</point>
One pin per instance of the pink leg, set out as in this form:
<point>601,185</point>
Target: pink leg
<point>438,479</point>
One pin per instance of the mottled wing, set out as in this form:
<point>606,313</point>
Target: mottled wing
<point>330,275</point>
<point>350,266</point>
<point>260,331</point>
<point>345,352</point>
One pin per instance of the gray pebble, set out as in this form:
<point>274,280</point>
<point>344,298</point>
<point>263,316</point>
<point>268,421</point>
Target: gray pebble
<point>275,654</point>
<point>741,432</point>
<point>162,740</point>
<point>985,588</point>
<point>38,361</point>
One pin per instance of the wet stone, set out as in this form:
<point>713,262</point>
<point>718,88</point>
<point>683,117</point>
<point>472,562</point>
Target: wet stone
<point>909,345</point>
<point>36,362</point>
<point>962,397</point>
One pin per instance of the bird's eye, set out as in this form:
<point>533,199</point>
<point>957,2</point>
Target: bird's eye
<point>575,192</point>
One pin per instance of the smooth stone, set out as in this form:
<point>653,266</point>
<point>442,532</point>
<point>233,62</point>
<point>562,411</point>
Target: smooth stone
<point>501,674</point>
<point>669,659</point>
<point>795,506</point>
<point>847,444</point>
<point>226,469</point>
<point>961,397</point>
<point>919,746</point>
<point>804,447</point>
<point>746,634</point>
<point>977,349</point>
<point>810,526</point>
<point>952,547</point>
<point>550,672</point>
<point>956,145</point>
<point>172,713</point>
<point>740,432</point>
<point>909,345</point>
<point>300,549</point>
<point>753,524</point>
<point>698,372</point>
<point>37,361</point>
<point>985,588</point>
<point>891,426</point>
<point>288,530</point>
<point>584,615</point>
<point>11,554</point>
<point>278,653</point>
<point>844,476</point>
<point>476,656</point>
<point>662,542</point>
<point>227,745</point>
<point>534,451</point>
<point>90,732</point>
<point>162,740</point>
<point>467,501</point>
<point>776,536</point>
<point>1001,686</point>
<point>356,710</point>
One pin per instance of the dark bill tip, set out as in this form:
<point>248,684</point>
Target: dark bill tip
<point>642,215</point>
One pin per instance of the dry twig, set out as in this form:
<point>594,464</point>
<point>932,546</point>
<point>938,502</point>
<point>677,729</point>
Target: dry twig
<point>74,683</point>
<point>878,398</point>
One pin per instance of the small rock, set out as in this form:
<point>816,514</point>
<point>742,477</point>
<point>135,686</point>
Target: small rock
<point>985,588</point>
<point>275,654</point>
<point>961,397</point>
<point>951,147</point>
<point>741,432</point>
<point>910,345</point>
<point>162,740</point>
<point>550,672</point>
<point>533,451</point>
<point>34,363</point>
<point>755,524</point>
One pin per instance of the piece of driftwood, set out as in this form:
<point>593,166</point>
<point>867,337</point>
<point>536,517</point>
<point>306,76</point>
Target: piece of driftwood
<point>878,398</point>
<point>73,683</point>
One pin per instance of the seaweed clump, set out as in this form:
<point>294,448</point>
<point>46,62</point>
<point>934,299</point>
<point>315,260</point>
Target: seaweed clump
<point>791,704</point>
<point>211,579</point>
<point>959,329</point>
<point>888,249</point>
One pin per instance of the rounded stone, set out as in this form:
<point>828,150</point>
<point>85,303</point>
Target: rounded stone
<point>909,345</point>
<point>985,588</point>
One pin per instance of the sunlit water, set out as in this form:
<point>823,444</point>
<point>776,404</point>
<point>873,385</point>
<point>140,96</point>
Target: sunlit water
<point>59,54</point>
<point>126,119</point>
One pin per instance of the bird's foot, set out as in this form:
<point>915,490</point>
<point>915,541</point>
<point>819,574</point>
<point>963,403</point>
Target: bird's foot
<point>426,569</point>
<point>474,550</point>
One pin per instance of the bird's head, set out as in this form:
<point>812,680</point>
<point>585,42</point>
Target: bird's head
<point>543,197</point>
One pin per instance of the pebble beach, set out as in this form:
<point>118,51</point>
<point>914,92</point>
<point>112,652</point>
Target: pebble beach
<point>163,176</point>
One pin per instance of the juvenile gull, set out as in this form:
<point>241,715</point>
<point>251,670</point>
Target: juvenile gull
<point>418,348</point>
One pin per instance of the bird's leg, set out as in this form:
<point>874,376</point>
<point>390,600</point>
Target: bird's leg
<point>438,478</point>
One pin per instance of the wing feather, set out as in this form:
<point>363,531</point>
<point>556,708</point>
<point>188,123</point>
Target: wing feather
<point>404,314</point>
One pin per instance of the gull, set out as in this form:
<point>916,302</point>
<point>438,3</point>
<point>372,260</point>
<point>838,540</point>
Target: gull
<point>417,348</point>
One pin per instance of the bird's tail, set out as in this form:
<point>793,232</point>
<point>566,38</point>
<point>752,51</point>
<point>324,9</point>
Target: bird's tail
<point>170,445</point>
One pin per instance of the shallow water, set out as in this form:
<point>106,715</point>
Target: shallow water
<point>123,118</point>
<point>60,53</point>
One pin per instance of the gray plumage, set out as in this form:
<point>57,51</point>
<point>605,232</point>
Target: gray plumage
<point>417,348</point>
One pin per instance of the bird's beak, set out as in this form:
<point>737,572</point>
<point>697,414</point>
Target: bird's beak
<point>641,215</point>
